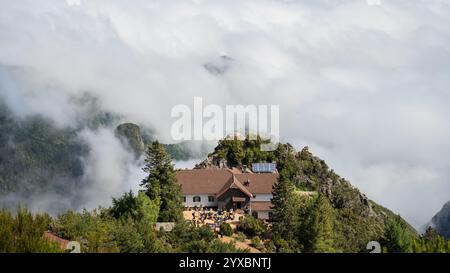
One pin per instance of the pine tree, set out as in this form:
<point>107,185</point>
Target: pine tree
<point>320,227</point>
<point>161,183</point>
<point>286,161</point>
<point>398,238</point>
<point>431,242</point>
<point>285,213</point>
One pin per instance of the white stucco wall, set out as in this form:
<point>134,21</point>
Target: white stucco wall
<point>262,197</point>
<point>264,215</point>
<point>204,201</point>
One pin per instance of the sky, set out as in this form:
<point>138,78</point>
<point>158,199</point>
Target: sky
<point>364,84</point>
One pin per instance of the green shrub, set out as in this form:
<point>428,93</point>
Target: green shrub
<point>240,236</point>
<point>24,233</point>
<point>252,226</point>
<point>256,242</point>
<point>225,229</point>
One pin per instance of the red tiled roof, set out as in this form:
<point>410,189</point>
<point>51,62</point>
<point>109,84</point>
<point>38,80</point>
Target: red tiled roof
<point>218,181</point>
<point>261,206</point>
<point>258,183</point>
<point>206,181</point>
<point>53,238</point>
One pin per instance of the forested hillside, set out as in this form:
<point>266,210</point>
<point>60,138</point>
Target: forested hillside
<point>315,210</point>
<point>35,155</point>
<point>353,220</point>
<point>51,163</point>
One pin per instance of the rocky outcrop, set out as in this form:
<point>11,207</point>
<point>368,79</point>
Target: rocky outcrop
<point>130,135</point>
<point>219,66</point>
<point>344,196</point>
<point>213,162</point>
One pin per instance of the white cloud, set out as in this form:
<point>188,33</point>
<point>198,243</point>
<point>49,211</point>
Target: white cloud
<point>110,169</point>
<point>73,2</point>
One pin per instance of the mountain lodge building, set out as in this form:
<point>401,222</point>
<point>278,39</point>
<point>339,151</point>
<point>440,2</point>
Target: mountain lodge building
<point>228,189</point>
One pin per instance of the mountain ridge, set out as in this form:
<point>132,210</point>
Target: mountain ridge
<point>441,221</point>
<point>359,219</point>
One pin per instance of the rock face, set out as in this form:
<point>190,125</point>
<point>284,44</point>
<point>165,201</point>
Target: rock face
<point>219,66</point>
<point>213,162</point>
<point>130,135</point>
<point>441,221</point>
<point>315,174</point>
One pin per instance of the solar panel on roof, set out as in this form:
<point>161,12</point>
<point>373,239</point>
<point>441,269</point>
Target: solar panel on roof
<point>264,167</point>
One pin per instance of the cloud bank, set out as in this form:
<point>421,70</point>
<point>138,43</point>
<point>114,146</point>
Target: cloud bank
<point>365,86</point>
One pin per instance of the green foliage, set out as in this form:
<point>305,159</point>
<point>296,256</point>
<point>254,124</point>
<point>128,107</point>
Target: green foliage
<point>397,238</point>
<point>252,226</point>
<point>246,152</point>
<point>256,242</point>
<point>125,206</point>
<point>91,228</point>
<point>354,220</point>
<point>226,229</point>
<point>304,224</point>
<point>188,238</point>
<point>127,237</point>
<point>232,151</point>
<point>286,161</point>
<point>336,218</point>
<point>431,242</point>
<point>287,205</point>
<point>139,208</point>
<point>24,233</point>
<point>161,184</point>
<point>99,232</point>
<point>320,227</point>
<point>148,210</point>
<point>353,231</point>
<point>127,226</point>
<point>178,151</point>
<point>35,155</point>
<point>285,246</point>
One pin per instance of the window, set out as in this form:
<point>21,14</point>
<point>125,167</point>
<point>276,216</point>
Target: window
<point>184,199</point>
<point>197,199</point>
<point>211,198</point>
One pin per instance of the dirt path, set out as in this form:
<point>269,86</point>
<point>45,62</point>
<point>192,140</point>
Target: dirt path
<point>240,245</point>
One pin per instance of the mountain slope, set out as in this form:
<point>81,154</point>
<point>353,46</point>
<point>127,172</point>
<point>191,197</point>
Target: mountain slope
<point>358,219</point>
<point>441,221</point>
<point>44,165</point>
<point>34,154</point>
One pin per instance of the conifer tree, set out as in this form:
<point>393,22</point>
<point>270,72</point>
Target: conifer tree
<point>398,238</point>
<point>285,209</point>
<point>320,227</point>
<point>161,183</point>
